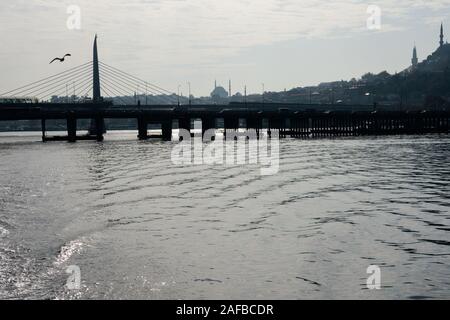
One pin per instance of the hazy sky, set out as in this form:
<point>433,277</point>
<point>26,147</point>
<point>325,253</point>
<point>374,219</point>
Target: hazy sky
<point>282,43</point>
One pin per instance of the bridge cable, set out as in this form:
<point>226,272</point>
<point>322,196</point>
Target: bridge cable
<point>84,76</point>
<point>119,80</point>
<point>116,78</point>
<point>138,79</point>
<point>90,88</point>
<point>135,78</point>
<point>52,83</point>
<point>55,75</point>
<point>122,80</point>
<point>104,88</point>
<point>83,88</point>
<point>84,83</point>
<point>123,88</point>
<point>119,95</point>
<point>118,88</point>
<point>65,78</point>
<point>128,79</point>
<point>120,92</point>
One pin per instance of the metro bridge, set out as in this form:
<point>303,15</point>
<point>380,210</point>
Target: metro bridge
<point>41,100</point>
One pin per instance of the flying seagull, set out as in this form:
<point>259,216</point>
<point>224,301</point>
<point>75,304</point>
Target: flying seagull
<point>61,59</point>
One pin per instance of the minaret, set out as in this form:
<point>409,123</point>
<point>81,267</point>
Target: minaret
<point>441,42</point>
<point>414,60</point>
<point>229,88</point>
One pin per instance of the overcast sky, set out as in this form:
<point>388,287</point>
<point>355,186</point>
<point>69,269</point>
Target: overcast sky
<point>282,43</point>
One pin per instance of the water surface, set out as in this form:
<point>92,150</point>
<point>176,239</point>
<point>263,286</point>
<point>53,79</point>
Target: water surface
<point>140,227</point>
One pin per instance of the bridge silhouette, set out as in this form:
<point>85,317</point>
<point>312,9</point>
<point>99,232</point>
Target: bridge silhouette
<point>94,81</point>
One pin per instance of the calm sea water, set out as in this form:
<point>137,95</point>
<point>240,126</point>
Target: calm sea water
<point>140,227</point>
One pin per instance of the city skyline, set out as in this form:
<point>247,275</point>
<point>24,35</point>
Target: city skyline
<point>278,47</point>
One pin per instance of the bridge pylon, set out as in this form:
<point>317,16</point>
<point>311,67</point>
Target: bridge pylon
<point>97,126</point>
<point>96,94</point>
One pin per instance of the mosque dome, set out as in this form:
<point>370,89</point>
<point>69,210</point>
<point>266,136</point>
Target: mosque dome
<point>219,92</point>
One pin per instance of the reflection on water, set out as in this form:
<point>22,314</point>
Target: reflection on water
<point>140,227</point>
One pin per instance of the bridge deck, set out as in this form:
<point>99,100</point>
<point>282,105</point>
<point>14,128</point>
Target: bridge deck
<point>32,111</point>
<point>288,120</point>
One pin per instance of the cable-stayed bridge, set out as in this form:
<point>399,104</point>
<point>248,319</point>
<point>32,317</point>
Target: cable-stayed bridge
<point>76,86</point>
<point>99,91</point>
<point>90,82</point>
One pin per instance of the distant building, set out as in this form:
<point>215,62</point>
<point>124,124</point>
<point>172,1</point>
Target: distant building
<point>19,100</point>
<point>219,92</point>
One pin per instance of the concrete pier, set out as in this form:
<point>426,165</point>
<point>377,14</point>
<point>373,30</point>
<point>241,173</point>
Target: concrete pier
<point>142,128</point>
<point>71,127</point>
<point>100,126</point>
<point>166,128</point>
<point>43,127</point>
<point>208,122</point>
<point>184,123</point>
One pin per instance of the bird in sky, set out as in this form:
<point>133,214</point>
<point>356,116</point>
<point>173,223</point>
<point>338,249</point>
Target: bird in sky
<point>61,59</point>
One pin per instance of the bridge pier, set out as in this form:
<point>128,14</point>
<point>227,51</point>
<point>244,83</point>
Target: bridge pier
<point>302,129</point>
<point>274,124</point>
<point>295,127</point>
<point>100,128</point>
<point>71,128</point>
<point>142,128</point>
<point>254,123</point>
<point>43,127</point>
<point>185,124</point>
<point>166,128</point>
<point>303,126</point>
<point>230,124</point>
<point>286,127</point>
<point>208,122</point>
